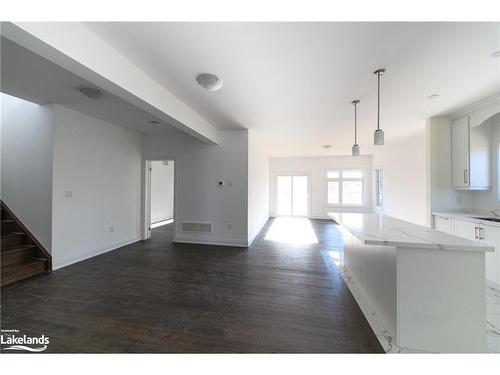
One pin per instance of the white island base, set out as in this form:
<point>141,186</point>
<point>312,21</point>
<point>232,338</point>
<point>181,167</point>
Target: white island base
<point>429,295</point>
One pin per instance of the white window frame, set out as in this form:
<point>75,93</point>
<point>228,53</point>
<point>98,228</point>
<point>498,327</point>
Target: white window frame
<point>340,180</point>
<point>379,204</point>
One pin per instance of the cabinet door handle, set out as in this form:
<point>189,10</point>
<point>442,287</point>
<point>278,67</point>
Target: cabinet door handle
<point>466,176</point>
<point>481,233</point>
<point>475,233</point>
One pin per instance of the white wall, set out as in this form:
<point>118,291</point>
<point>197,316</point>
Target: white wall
<point>405,177</point>
<point>100,164</point>
<point>198,197</point>
<point>27,164</point>
<point>162,190</point>
<point>316,168</point>
<point>258,185</point>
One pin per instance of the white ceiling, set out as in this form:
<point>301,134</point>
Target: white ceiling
<point>293,82</point>
<point>28,76</point>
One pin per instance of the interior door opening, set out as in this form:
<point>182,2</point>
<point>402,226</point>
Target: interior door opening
<point>292,195</point>
<point>160,202</point>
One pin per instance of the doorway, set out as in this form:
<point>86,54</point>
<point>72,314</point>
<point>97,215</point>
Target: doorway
<point>160,202</point>
<point>292,195</point>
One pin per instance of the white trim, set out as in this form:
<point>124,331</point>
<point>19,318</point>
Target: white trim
<point>199,240</point>
<point>146,194</point>
<point>491,100</point>
<point>252,236</point>
<point>75,258</point>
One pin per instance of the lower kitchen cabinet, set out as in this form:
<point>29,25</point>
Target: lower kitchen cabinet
<point>466,229</point>
<point>479,232</point>
<point>444,224</point>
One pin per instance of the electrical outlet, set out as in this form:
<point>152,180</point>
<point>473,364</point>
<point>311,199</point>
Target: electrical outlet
<point>111,229</point>
<point>230,226</point>
<point>68,194</point>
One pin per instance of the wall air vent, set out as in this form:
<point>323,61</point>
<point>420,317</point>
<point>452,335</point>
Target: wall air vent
<point>190,227</point>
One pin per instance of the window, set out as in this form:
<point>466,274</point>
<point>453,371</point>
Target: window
<point>378,188</point>
<point>345,188</point>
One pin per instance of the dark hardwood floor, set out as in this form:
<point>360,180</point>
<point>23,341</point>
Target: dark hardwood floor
<point>156,296</point>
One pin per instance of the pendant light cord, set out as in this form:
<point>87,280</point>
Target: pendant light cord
<point>355,124</point>
<point>378,101</point>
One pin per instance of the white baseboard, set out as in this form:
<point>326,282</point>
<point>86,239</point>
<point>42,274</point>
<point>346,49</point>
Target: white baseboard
<point>251,238</point>
<point>202,240</point>
<point>75,258</point>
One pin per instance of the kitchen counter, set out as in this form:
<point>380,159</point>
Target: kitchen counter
<point>427,287</point>
<point>472,216</point>
<point>378,229</point>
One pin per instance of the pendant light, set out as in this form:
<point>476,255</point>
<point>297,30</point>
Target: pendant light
<point>378,136</point>
<point>355,147</point>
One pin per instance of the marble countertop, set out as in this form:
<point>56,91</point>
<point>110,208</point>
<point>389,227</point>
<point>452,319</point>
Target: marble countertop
<point>378,229</point>
<point>471,215</point>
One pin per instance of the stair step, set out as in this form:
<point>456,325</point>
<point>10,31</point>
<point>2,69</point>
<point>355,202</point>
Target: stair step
<point>12,239</point>
<point>22,270</point>
<point>17,249</point>
<point>18,254</point>
<point>7,226</point>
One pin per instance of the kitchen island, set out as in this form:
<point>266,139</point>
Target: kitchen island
<point>427,287</point>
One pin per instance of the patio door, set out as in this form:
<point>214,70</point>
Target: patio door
<point>292,195</point>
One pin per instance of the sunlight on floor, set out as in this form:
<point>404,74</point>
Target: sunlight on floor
<point>292,230</point>
<point>160,223</point>
<point>336,257</point>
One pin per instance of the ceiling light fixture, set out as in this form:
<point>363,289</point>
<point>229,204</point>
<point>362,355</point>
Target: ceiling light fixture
<point>355,147</point>
<point>91,92</point>
<point>496,54</point>
<point>433,96</point>
<point>378,136</point>
<point>209,82</point>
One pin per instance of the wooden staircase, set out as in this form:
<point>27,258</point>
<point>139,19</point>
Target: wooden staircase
<point>22,255</point>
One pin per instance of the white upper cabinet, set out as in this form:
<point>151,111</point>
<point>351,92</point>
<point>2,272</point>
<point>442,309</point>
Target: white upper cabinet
<point>470,155</point>
<point>460,152</point>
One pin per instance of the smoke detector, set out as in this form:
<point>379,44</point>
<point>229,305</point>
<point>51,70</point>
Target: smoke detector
<point>209,82</point>
<point>91,92</point>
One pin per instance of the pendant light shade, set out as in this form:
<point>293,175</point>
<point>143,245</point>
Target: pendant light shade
<point>355,147</point>
<point>378,136</point>
<point>355,150</point>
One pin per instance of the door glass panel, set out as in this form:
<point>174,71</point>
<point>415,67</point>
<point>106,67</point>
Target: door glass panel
<point>284,195</point>
<point>299,205</point>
